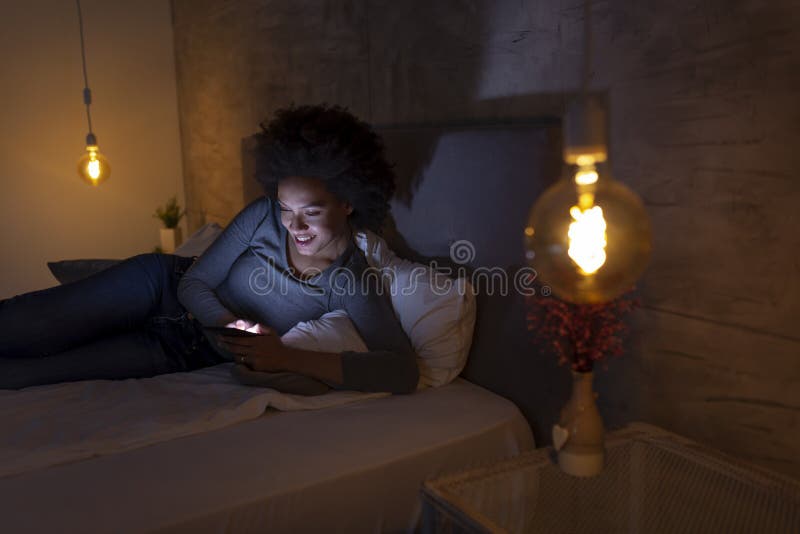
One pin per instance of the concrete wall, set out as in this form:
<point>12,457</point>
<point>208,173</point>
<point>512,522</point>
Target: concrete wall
<point>704,125</point>
<point>46,212</point>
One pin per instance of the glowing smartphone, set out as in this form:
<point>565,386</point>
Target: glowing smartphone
<point>227,331</point>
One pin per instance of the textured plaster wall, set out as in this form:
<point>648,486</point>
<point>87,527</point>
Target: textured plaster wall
<point>704,126</point>
<point>46,212</point>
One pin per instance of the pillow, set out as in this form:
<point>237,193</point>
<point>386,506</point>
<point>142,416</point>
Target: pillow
<point>198,242</point>
<point>67,271</point>
<point>438,317</point>
<point>333,332</point>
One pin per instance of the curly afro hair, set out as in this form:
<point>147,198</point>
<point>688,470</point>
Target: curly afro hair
<point>329,143</point>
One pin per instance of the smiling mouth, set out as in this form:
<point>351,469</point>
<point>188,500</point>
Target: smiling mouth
<point>303,241</point>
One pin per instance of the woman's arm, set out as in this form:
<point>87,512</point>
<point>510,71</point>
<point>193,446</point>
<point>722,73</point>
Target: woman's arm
<point>391,363</point>
<point>375,370</point>
<point>266,352</point>
<point>324,366</point>
<point>196,287</point>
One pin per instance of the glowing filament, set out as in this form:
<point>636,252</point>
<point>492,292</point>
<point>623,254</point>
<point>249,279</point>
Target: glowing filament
<point>586,176</point>
<point>587,238</point>
<point>93,167</point>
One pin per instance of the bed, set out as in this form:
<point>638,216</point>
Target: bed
<point>353,466</point>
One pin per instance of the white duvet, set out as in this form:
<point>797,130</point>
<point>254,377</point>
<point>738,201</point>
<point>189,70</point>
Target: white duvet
<point>47,425</point>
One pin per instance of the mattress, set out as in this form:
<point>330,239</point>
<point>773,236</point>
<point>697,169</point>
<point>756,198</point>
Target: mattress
<point>355,468</point>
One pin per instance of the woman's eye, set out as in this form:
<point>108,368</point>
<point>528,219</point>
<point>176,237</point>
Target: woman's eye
<point>312,213</point>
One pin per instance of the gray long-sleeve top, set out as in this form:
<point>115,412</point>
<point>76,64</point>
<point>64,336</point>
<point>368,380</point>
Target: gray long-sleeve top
<point>245,274</point>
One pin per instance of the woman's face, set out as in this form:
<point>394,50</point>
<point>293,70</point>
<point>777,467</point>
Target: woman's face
<point>315,218</point>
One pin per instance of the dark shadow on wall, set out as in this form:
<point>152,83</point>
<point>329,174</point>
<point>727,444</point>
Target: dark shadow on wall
<point>466,190</point>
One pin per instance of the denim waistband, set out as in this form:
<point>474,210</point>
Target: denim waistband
<point>181,264</point>
<point>182,338</point>
<point>180,333</point>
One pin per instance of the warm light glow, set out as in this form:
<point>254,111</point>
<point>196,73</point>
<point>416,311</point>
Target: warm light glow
<point>587,233</point>
<point>584,155</point>
<point>586,176</point>
<point>93,167</point>
<point>587,238</point>
<point>590,235</point>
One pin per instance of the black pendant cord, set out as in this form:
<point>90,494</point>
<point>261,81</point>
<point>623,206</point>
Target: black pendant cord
<point>87,93</point>
<point>587,46</point>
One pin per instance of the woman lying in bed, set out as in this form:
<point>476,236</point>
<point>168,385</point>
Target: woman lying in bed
<point>287,257</point>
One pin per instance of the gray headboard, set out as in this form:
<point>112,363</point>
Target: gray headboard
<point>475,184</point>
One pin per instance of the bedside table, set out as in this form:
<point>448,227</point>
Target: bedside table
<point>653,481</point>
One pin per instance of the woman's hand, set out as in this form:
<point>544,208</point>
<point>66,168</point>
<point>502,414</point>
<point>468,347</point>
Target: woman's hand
<point>264,352</point>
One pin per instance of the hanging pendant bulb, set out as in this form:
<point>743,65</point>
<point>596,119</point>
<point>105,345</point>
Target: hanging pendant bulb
<point>93,167</point>
<point>588,236</point>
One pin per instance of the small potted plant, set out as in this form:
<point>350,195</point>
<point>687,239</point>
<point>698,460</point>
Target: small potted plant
<point>170,216</point>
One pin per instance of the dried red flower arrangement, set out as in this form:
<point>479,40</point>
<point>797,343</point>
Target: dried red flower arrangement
<point>580,334</point>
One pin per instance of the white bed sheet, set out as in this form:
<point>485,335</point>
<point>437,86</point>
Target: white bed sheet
<point>349,468</point>
<point>59,423</point>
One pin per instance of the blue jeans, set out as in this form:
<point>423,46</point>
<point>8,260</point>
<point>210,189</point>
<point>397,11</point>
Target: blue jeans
<point>123,322</point>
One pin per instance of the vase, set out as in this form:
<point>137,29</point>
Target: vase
<point>579,436</point>
<point>170,239</point>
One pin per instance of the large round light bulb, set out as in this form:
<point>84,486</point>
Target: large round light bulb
<point>93,167</point>
<point>588,236</point>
